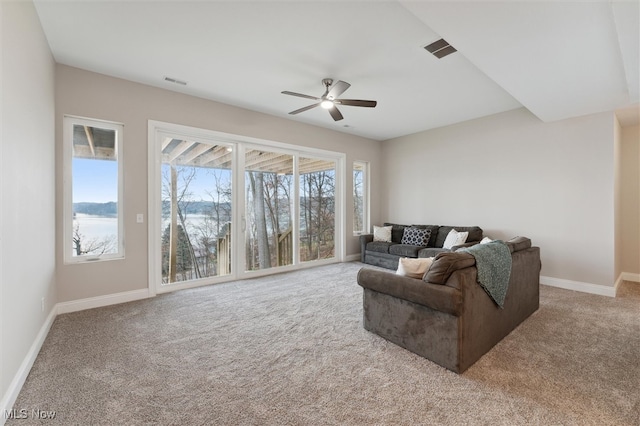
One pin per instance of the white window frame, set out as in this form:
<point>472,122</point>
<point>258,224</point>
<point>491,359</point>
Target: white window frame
<point>67,239</point>
<point>365,195</point>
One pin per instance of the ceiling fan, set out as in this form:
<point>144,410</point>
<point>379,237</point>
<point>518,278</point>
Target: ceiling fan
<point>329,99</point>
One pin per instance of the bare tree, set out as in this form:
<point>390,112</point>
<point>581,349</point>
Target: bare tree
<point>256,183</point>
<point>318,213</point>
<point>176,188</point>
<point>83,245</point>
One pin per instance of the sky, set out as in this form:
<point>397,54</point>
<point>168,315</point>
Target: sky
<point>95,180</point>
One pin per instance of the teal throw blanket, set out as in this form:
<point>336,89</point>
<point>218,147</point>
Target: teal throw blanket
<point>493,262</point>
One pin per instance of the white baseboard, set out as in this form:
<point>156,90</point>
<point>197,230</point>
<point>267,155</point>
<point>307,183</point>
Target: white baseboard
<point>15,386</point>
<point>626,276</point>
<point>100,301</point>
<point>579,286</point>
<point>352,257</point>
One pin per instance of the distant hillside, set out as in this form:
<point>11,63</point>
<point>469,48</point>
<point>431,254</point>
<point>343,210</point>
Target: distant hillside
<point>196,207</point>
<point>97,209</point>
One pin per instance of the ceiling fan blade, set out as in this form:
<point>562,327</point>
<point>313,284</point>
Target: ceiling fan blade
<point>337,116</point>
<point>338,89</point>
<point>307,108</point>
<point>300,95</point>
<point>356,102</point>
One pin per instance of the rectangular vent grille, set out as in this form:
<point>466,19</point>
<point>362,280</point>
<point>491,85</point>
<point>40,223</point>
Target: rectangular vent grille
<point>176,81</point>
<point>440,48</point>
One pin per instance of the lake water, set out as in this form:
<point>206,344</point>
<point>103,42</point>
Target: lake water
<point>99,226</point>
<point>96,226</point>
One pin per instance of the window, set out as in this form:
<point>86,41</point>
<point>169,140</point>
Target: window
<point>360,197</point>
<point>93,227</point>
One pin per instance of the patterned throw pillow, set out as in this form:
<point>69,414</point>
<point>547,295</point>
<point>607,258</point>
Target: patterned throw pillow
<point>416,236</point>
<point>382,233</point>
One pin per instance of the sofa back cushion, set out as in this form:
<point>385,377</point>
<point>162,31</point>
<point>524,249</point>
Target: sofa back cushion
<point>475,233</point>
<point>444,264</point>
<point>397,231</point>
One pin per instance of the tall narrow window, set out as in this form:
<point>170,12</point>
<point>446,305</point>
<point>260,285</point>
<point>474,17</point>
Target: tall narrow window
<point>93,190</point>
<point>360,197</point>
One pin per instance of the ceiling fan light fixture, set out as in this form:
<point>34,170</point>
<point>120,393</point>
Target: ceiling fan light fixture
<point>331,99</point>
<point>326,104</point>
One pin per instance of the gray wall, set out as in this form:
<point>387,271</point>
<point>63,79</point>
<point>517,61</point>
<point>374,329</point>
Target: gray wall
<point>512,174</point>
<point>27,250</point>
<point>92,95</point>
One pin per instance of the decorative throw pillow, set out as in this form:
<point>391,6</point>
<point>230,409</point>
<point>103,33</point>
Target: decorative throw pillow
<point>454,238</point>
<point>382,233</point>
<point>485,240</point>
<point>414,268</point>
<point>416,236</point>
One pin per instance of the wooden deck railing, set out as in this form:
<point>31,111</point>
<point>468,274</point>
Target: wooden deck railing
<point>285,248</point>
<point>284,252</point>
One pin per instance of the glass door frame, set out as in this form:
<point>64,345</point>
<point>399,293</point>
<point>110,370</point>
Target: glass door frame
<point>158,130</point>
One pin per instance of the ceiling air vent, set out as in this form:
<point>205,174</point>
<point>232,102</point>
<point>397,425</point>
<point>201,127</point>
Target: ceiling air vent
<point>176,81</point>
<point>440,48</point>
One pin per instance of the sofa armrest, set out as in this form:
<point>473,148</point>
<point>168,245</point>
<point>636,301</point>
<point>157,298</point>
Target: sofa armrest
<point>364,240</point>
<point>438,297</point>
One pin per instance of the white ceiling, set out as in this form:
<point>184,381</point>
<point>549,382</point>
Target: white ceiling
<point>558,59</point>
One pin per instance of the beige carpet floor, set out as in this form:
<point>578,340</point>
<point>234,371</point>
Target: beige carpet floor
<point>290,349</point>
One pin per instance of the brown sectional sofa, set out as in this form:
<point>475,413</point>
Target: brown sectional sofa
<point>447,316</point>
<point>386,254</point>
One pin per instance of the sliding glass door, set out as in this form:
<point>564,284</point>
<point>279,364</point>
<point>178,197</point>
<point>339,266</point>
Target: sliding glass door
<point>268,209</point>
<point>196,204</point>
<point>317,208</point>
<point>223,208</point>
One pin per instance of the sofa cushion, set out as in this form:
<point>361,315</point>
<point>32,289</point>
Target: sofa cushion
<point>475,233</point>
<point>382,233</point>
<point>405,250</point>
<point>445,263</point>
<point>416,236</point>
<point>379,246</point>
<point>414,268</point>
<point>396,231</point>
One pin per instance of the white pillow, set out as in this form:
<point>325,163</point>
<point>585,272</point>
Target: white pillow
<point>414,268</point>
<point>455,238</point>
<point>382,233</point>
<point>485,240</point>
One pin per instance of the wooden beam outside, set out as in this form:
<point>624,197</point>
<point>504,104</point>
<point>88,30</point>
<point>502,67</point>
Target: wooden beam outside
<point>89,133</point>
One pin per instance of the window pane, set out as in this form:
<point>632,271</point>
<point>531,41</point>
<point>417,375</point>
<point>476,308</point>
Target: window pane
<point>94,185</point>
<point>268,191</point>
<point>196,210</point>
<point>317,209</point>
<point>359,197</point>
